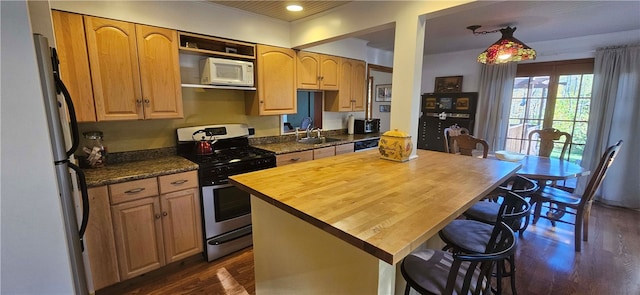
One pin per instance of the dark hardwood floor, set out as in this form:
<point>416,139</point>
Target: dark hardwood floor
<point>546,263</point>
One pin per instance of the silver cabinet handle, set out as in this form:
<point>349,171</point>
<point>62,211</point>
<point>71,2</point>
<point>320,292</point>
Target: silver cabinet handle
<point>134,191</point>
<point>179,182</point>
<point>295,159</point>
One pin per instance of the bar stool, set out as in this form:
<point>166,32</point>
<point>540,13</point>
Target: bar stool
<point>433,271</point>
<point>487,210</point>
<point>471,236</point>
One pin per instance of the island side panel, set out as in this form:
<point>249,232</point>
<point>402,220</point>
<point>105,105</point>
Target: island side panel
<point>292,256</point>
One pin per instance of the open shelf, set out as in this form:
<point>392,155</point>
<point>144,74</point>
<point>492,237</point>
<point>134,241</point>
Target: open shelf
<point>213,46</point>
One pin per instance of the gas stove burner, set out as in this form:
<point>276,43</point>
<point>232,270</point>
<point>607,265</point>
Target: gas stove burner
<point>232,155</point>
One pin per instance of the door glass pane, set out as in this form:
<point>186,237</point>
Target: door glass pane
<point>582,113</point>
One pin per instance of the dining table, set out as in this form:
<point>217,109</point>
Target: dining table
<point>553,169</point>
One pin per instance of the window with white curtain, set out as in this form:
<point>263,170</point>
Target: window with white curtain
<point>551,95</point>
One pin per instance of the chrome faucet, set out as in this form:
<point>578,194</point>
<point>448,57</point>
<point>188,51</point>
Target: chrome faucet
<point>311,130</point>
<point>297,135</point>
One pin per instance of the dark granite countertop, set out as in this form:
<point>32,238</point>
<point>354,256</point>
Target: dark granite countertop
<point>293,146</point>
<point>162,163</point>
<point>122,172</point>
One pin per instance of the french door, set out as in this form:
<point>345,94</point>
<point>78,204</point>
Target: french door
<point>551,95</point>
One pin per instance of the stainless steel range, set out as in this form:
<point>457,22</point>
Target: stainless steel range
<point>222,151</point>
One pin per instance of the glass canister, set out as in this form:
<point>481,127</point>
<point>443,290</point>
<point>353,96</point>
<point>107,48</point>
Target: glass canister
<point>94,151</point>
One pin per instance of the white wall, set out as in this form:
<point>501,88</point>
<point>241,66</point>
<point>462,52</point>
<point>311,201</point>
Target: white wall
<point>34,258</point>
<point>463,63</point>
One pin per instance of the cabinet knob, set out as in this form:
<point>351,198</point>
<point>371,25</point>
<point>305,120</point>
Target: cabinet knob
<point>165,213</point>
<point>147,101</point>
<point>138,101</point>
<point>157,216</point>
<point>262,101</point>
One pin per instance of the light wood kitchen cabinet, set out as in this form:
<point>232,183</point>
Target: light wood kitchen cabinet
<point>138,231</point>
<point>275,82</point>
<point>344,148</point>
<point>99,240</point>
<point>292,158</point>
<point>153,227</point>
<point>71,46</point>
<point>135,70</point>
<point>317,71</point>
<point>324,152</point>
<point>350,96</point>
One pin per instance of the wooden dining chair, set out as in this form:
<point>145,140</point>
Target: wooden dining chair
<point>561,201</point>
<point>466,144</point>
<point>454,130</point>
<point>432,271</point>
<point>546,139</point>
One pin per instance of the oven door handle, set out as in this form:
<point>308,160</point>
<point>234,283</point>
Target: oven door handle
<point>245,231</point>
<point>219,186</point>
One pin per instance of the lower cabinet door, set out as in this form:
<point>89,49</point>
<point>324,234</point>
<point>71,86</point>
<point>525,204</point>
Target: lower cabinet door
<point>181,222</point>
<point>138,234</point>
<point>98,240</point>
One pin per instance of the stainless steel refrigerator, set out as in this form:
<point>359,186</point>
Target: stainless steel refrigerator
<point>58,104</point>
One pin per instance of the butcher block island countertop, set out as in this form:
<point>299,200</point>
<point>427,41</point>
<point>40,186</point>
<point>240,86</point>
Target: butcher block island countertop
<point>384,208</point>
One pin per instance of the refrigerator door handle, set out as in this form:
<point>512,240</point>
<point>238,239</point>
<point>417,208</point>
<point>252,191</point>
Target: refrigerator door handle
<point>61,88</point>
<point>82,182</point>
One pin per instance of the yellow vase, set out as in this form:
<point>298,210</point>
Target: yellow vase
<point>395,145</point>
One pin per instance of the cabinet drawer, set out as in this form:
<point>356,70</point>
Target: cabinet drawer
<point>344,149</point>
<point>179,181</point>
<point>291,158</point>
<point>133,190</point>
<point>324,152</point>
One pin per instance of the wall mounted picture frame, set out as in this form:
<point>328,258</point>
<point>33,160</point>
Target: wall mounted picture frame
<point>383,92</point>
<point>385,108</point>
<point>448,84</point>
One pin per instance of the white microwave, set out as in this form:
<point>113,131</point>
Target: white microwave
<point>228,72</point>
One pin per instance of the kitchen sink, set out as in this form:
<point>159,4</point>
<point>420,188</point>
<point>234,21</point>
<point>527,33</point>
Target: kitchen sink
<point>317,140</point>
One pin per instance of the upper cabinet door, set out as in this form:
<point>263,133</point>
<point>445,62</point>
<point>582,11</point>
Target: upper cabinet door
<point>345,93</point>
<point>351,94</point>
<point>358,84</point>
<point>74,63</point>
<point>276,83</point>
<point>308,70</point>
<point>159,72</point>
<point>113,56</point>
<point>329,72</point>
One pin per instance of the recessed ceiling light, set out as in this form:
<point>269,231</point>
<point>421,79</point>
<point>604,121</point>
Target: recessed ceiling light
<point>294,7</point>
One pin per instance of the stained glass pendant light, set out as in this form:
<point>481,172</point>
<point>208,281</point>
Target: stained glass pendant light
<point>507,49</point>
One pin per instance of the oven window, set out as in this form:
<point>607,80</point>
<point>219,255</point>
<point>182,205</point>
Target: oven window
<point>231,202</point>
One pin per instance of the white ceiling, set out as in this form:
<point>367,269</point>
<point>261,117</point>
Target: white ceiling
<point>535,21</point>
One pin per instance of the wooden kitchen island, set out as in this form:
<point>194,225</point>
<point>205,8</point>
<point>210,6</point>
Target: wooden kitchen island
<point>341,225</point>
